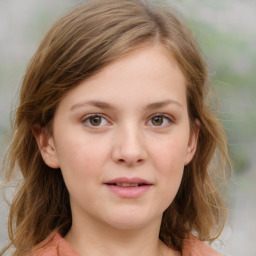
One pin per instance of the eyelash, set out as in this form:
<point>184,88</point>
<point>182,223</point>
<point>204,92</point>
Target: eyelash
<point>89,117</point>
<point>164,117</point>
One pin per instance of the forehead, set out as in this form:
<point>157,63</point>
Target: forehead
<point>148,74</point>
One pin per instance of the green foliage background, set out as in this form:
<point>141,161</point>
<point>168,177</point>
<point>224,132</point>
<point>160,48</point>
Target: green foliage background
<point>226,33</point>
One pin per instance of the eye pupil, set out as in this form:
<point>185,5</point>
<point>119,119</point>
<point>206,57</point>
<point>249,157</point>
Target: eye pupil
<point>95,121</point>
<point>157,120</point>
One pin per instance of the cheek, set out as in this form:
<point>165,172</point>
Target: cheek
<point>81,158</point>
<point>169,156</point>
<point>170,168</point>
<point>169,163</point>
<point>81,164</point>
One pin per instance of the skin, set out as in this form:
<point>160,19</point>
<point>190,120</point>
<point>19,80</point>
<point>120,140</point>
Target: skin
<point>130,136</point>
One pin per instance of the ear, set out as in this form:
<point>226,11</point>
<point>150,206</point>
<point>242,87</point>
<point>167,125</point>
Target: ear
<point>191,149</point>
<point>46,146</point>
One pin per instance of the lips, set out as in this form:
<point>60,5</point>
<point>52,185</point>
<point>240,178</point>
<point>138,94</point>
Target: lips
<point>128,187</point>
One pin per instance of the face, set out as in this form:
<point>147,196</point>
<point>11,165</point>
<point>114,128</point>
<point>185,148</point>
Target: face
<point>121,139</point>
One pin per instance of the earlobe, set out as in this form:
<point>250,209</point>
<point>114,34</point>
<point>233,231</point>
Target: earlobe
<point>192,145</point>
<point>46,146</point>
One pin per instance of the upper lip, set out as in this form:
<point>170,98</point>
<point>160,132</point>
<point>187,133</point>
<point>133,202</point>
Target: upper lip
<point>126,180</point>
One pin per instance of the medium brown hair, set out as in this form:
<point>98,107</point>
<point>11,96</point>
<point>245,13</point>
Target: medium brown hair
<point>78,46</point>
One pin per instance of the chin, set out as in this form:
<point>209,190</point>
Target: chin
<point>132,221</point>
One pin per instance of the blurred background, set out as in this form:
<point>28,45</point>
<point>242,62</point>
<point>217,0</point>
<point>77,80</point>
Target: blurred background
<point>226,33</point>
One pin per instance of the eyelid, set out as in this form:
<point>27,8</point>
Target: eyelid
<point>165,116</point>
<point>87,117</point>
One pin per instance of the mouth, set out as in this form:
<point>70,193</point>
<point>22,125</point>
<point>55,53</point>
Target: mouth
<point>127,184</point>
<point>128,187</point>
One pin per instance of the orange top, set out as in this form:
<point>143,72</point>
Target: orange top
<point>56,245</point>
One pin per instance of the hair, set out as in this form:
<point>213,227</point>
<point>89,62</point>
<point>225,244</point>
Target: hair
<point>78,46</point>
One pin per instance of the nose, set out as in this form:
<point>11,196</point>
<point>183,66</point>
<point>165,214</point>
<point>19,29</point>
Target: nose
<point>129,147</point>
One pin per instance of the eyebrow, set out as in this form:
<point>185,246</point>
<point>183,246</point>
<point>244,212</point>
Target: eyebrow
<point>163,103</point>
<point>98,104</point>
<point>104,105</point>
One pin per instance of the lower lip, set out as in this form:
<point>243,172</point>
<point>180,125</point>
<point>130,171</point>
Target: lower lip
<point>128,192</point>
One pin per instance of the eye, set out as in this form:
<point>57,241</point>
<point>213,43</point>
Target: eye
<point>160,120</point>
<point>95,120</point>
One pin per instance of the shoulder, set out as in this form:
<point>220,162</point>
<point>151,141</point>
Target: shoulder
<point>194,247</point>
<point>54,245</point>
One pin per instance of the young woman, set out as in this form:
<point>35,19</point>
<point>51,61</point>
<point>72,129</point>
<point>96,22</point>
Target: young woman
<point>115,140</point>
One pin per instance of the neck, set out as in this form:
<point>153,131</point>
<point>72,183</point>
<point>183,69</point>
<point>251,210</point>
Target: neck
<point>99,239</point>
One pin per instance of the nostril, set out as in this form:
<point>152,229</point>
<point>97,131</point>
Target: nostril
<point>130,162</point>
